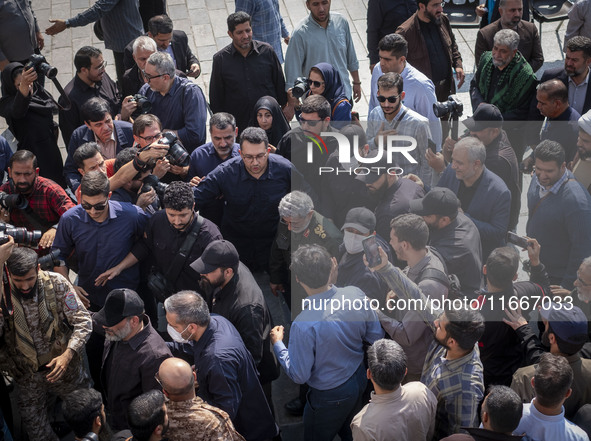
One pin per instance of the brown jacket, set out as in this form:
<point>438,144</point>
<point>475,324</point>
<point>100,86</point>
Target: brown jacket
<point>530,44</point>
<point>418,55</point>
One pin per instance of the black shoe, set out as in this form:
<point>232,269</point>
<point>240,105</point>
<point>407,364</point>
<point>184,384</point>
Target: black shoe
<point>295,407</point>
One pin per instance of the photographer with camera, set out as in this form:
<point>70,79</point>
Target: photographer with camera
<point>99,126</point>
<point>174,237</point>
<point>130,191</point>
<point>43,364</point>
<point>40,202</point>
<point>28,109</point>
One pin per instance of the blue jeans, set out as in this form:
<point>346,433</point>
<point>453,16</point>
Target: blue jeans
<point>329,412</point>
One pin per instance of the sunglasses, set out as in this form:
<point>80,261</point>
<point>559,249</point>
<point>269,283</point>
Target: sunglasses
<point>310,122</point>
<point>97,207</point>
<point>316,84</point>
<point>391,99</point>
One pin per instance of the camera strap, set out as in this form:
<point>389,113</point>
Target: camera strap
<point>58,86</point>
<point>177,264</point>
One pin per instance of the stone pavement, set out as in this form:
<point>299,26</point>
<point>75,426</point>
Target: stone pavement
<point>205,23</point>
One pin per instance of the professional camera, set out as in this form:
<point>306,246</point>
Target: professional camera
<point>300,87</point>
<point>177,155</point>
<point>143,104</point>
<point>51,260</point>
<point>152,181</point>
<point>452,106</point>
<point>21,236</point>
<point>90,436</point>
<point>40,64</point>
<point>8,201</point>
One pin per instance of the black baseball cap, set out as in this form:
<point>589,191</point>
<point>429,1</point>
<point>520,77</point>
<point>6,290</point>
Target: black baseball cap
<point>441,201</point>
<point>486,116</point>
<point>121,303</point>
<point>219,253</point>
<point>360,218</point>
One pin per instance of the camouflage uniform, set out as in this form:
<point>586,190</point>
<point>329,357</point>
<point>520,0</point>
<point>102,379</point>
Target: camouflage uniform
<point>71,330</point>
<point>195,420</point>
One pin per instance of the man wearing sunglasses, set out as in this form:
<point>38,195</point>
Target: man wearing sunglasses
<point>99,126</point>
<point>394,118</point>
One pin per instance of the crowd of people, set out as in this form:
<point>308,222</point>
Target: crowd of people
<point>134,271</point>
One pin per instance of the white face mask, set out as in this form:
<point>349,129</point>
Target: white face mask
<point>353,242</point>
<point>176,335</point>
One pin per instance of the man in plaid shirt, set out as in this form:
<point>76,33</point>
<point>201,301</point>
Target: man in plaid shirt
<point>46,200</point>
<point>452,369</point>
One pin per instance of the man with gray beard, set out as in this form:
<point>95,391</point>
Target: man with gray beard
<point>133,353</point>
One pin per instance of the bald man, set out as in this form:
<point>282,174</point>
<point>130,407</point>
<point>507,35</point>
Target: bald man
<point>190,418</point>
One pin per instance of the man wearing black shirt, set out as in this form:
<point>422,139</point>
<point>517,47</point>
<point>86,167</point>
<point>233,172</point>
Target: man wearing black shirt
<point>243,72</point>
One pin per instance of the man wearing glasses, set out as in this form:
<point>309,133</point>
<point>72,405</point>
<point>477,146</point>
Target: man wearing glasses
<point>178,102</point>
<point>90,81</point>
<point>252,186</point>
<point>394,118</point>
<point>101,232</point>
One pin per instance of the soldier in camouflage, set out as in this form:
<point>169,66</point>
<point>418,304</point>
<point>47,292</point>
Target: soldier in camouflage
<point>189,417</point>
<point>43,327</point>
<point>299,225</point>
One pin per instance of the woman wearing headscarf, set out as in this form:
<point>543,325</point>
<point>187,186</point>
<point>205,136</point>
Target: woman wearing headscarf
<point>325,80</point>
<point>28,109</point>
<point>268,116</point>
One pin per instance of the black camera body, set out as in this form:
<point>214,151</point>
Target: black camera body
<point>452,106</point>
<point>41,66</point>
<point>21,236</point>
<point>159,286</point>
<point>90,436</point>
<point>50,261</point>
<point>8,201</point>
<point>177,155</point>
<point>143,104</point>
<point>152,181</point>
<point>300,87</point>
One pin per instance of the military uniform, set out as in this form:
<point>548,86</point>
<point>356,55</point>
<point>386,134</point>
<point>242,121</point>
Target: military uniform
<point>320,231</point>
<point>35,331</point>
<point>195,420</point>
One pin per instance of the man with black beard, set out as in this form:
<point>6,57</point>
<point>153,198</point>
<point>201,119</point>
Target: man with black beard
<point>45,200</point>
<point>42,363</point>
<point>148,417</point>
<point>232,292</point>
<point>133,353</point>
<point>84,412</point>
<point>167,232</point>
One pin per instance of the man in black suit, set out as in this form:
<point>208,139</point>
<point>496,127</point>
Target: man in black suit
<point>175,42</point>
<point>575,73</point>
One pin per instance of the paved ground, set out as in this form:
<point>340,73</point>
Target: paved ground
<point>205,23</point>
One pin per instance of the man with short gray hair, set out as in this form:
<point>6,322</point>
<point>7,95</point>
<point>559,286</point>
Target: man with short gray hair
<point>178,102</point>
<point>484,197</point>
<point>404,412</point>
<point>133,79</point>
<point>226,373</point>
<point>504,78</point>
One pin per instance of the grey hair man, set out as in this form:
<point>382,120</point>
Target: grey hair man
<point>484,197</point>
<point>226,372</point>
<point>408,411</point>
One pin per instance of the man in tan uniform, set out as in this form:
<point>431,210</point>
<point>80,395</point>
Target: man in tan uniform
<point>189,417</point>
<point>44,328</point>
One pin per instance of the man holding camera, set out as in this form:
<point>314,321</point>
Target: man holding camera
<point>44,327</point>
<point>175,237</point>
<point>244,61</point>
<point>41,201</point>
<point>99,126</point>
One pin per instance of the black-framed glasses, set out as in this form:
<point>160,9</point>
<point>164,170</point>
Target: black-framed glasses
<point>149,77</point>
<point>310,122</point>
<point>316,84</point>
<point>97,207</point>
<point>150,139</point>
<point>391,99</point>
